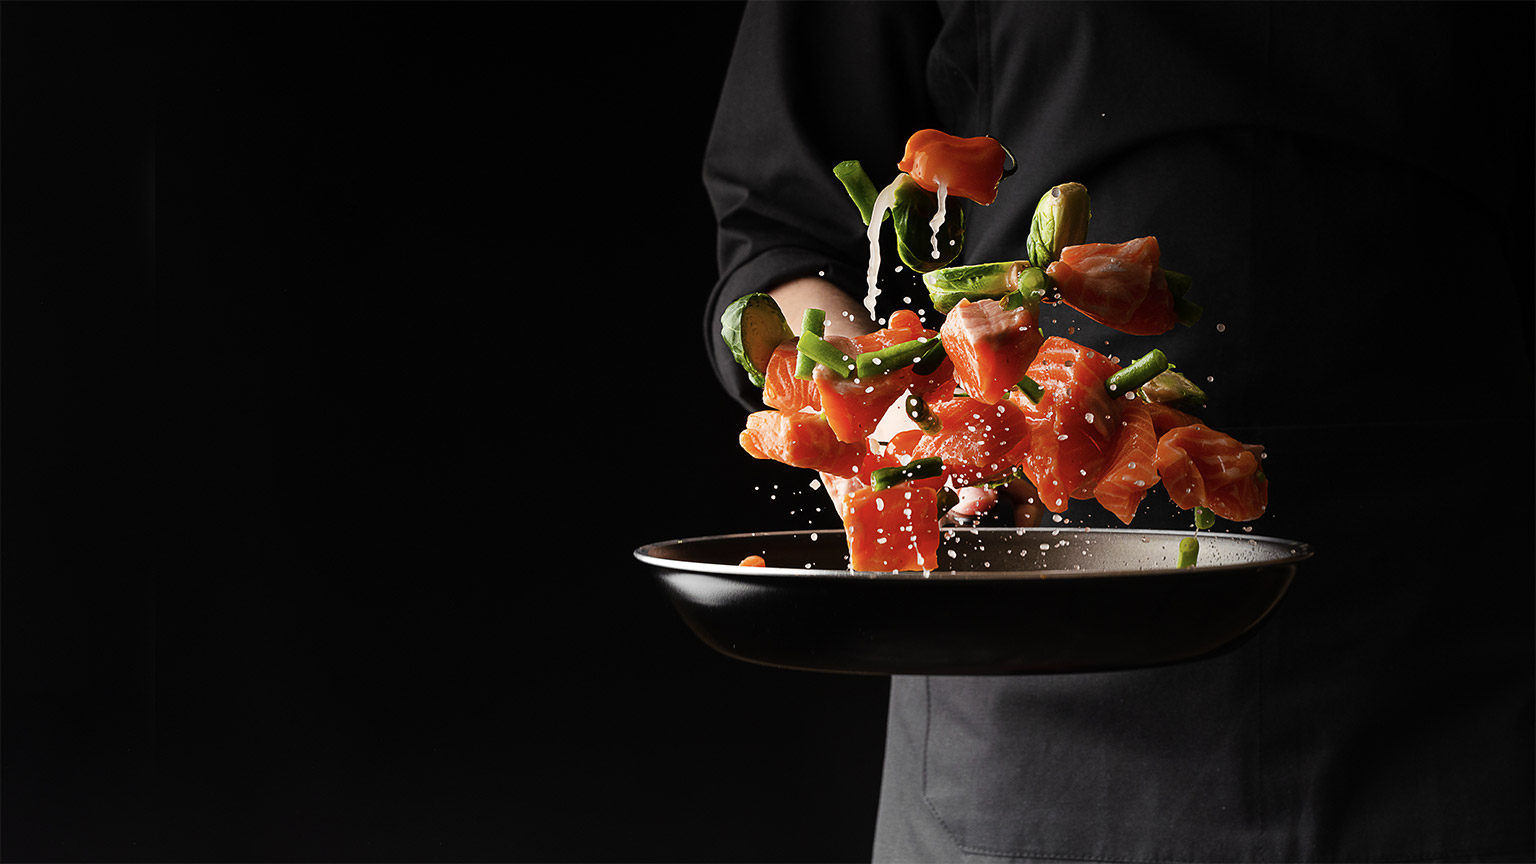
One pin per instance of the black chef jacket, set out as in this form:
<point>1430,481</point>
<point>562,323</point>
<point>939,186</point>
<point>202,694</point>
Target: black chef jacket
<point>1350,188</point>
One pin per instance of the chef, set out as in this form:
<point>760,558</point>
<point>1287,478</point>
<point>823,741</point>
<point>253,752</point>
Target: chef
<point>1349,186</point>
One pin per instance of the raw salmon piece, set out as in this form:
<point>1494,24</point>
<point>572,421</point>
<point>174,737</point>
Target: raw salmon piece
<point>801,439</point>
<point>753,561</point>
<point>1201,467</point>
<point>1131,468</point>
<point>854,405</point>
<point>1165,418</point>
<point>1119,285</point>
<point>893,529</point>
<point>976,440</point>
<point>781,389</point>
<point>1072,428</point>
<point>991,347</point>
<point>904,325</point>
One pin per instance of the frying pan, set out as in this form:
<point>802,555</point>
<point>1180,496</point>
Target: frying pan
<point>1013,601</point>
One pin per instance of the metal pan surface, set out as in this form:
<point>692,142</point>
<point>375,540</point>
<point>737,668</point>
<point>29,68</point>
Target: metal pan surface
<point>1015,601</point>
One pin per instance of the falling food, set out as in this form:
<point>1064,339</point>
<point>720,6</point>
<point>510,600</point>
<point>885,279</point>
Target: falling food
<point>997,402</point>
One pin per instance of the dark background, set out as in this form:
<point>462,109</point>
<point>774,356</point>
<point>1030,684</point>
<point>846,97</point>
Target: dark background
<point>349,352</point>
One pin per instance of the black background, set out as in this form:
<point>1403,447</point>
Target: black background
<point>350,351</point>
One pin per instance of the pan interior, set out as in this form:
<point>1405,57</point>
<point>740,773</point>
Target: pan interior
<point>983,553</point>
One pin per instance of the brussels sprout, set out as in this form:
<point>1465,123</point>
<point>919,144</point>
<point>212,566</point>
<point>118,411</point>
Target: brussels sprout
<point>1061,220</point>
<point>1174,390</point>
<point>947,286</point>
<point>912,212</point>
<point>753,326</point>
<point>913,215</point>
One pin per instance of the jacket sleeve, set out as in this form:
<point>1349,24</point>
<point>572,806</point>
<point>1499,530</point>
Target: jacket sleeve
<point>809,85</point>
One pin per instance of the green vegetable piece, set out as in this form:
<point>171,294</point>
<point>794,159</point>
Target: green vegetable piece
<point>912,216</point>
<point>860,188</point>
<point>1189,550</point>
<point>931,359</point>
<point>1147,367</point>
<point>824,353</point>
<point>1185,311</point>
<point>917,412</point>
<point>947,499</point>
<point>892,357</point>
<point>947,286</point>
<point>1034,286</point>
<point>917,469</point>
<point>1205,518</point>
<point>1060,220</point>
<point>1000,480</point>
<point>813,321</point>
<point>1174,390</point>
<point>1031,389</point>
<point>753,326</point>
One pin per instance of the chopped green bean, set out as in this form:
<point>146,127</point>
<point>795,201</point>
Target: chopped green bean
<point>917,469</point>
<point>1189,550</point>
<point>860,188</point>
<point>1031,389</point>
<point>893,357</point>
<point>1205,518</point>
<point>1147,367</point>
<point>826,354</point>
<point>931,359</point>
<point>813,321</point>
<point>917,411</point>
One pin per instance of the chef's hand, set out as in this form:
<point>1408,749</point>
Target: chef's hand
<point>844,316</point>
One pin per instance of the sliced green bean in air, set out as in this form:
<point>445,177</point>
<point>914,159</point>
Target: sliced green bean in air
<point>892,357</point>
<point>1031,389</point>
<point>813,321</point>
<point>1205,518</point>
<point>860,188</point>
<point>917,469</point>
<point>825,354</point>
<point>1189,550</point>
<point>1148,366</point>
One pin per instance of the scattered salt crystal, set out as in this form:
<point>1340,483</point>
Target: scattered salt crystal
<point>1221,328</point>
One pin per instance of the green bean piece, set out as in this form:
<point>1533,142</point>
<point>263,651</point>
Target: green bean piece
<point>1186,312</point>
<point>918,469</point>
<point>1031,389</point>
<point>1189,550</point>
<point>860,188</point>
<point>1148,366</point>
<point>892,357</point>
<point>917,412</point>
<point>813,321</point>
<point>1034,286</point>
<point>1205,518</point>
<point>1178,283</point>
<point>929,362</point>
<point>825,354</point>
